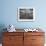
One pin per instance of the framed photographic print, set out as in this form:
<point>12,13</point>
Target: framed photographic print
<point>26,14</point>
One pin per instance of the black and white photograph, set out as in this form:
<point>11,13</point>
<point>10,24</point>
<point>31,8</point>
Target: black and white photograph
<point>26,14</point>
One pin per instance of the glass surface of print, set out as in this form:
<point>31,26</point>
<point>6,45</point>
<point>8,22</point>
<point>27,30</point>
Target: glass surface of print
<point>26,14</point>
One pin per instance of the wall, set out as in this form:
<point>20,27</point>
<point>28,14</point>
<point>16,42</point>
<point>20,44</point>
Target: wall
<point>8,9</point>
